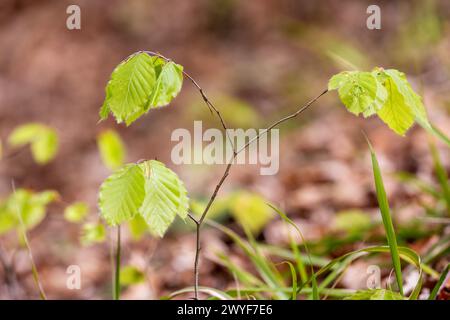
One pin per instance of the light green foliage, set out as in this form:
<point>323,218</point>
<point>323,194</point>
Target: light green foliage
<point>31,207</point>
<point>149,189</point>
<point>352,221</point>
<point>130,275</point>
<point>251,211</point>
<point>386,93</point>
<point>43,141</point>
<point>138,84</point>
<point>92,233</point>
<point>387,219</point>
<point>112,149</point>
<point>168,84</point>
<point>358,91</point>
<point>165,197</point>
<point>121,194</point>
<point>375,294</point>
<point>76,212</point>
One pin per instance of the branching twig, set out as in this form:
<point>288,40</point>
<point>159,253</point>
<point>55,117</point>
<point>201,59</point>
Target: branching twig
<point>199,222</point>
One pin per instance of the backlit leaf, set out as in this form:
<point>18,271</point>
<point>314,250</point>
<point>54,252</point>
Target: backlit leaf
<point>122,194</point>
<point>165,197</point>
<point>128,91</point>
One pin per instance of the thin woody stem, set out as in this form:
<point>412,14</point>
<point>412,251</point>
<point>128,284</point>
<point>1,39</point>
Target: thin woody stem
<point>199,222</point>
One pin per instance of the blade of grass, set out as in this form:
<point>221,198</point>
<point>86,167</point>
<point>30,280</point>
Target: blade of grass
<point>441,175</point>
<point>298,259</point>
<point>268,269</point>
<point>438,285</point>
<point>423,186</point>
<point>117,269</point>
<point>264,270</point>
<point>386,216</point>
<point>335,293</point>
<point>246,278</point>
<point>286,254</point>
<point>406,254</point>
<point>315,295</point>
<point>294,279</point>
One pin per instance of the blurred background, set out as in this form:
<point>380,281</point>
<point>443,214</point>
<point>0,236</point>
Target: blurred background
<point>257,61</point>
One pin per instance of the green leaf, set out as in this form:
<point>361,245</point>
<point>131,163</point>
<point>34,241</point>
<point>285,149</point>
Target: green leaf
<point>406,254</point>
<point>128,91</point>
<point>168,83</point>
<point>358,91</point>
<point>92,233</point>
<point>138,84</point>
<point>352,221</point>
<point>395,112</point>
<point>165,197</point>
<point>31,207</point>
<point>121,194</point>
<point>130,275</point>
<point>383,92</point>
<point>76,212</point>
<point>374,294</point>
<point>112,149</point>
<point>251,211</point>
<point>43,140</point>
<point>411,99</point>
<point>387,219</point>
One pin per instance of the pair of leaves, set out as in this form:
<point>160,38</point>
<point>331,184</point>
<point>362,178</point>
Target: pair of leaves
<point>26,206</point>
<point>43,140</point>
<point>138,84</point>
<point>386,93</point>
<point>148,189</point>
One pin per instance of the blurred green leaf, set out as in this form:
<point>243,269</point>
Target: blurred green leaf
<point>352,221</point>
<point>92,233</point>
<point>251,211</point>
<point>76,212</point>
<point>31,207</point>
<point>130,275</point>
<point>43,141</point>
<point>112,149</point>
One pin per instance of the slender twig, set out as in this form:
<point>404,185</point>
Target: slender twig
<point>117,269</point>
<point>199,222</point>
<point>28,247</point>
